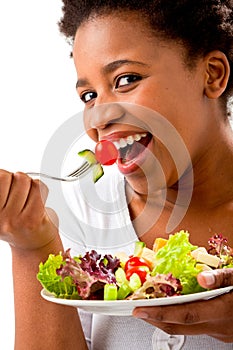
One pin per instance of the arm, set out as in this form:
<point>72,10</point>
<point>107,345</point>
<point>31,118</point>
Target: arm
<point>41,324</point>
<point>32,235</point>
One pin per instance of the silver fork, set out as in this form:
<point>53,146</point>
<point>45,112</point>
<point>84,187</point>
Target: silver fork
<point>74,176</point>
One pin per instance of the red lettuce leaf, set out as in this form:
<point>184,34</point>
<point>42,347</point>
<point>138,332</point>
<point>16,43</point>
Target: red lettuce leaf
<point>90,272</point>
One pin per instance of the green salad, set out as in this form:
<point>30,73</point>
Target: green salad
<point>169,269</point>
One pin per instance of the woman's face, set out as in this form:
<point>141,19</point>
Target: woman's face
<point>118,60</point>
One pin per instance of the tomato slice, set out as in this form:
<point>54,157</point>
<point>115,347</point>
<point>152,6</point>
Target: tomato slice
<point>135,261</point>
<point>105,152</point>
<point>141,271</point>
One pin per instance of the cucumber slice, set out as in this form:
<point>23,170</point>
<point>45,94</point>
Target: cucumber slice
<point>88,155</point>
<point>98,172</point>
<point>120,276</point>
<point>135,282</point>
<point>110,292</point>
<point>123,291</point>
<point>139,245</point>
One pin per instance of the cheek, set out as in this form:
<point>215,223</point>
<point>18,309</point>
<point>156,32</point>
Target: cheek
<point>152,97</point>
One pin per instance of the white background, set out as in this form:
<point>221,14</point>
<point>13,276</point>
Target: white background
<point>37,94</point>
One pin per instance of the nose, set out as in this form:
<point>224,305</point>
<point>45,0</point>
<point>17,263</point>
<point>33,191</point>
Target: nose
<point>102,115</point>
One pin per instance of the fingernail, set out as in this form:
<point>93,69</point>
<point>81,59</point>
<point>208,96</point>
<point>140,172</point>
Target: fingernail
<point>209,278</point>
<point>141,315</point>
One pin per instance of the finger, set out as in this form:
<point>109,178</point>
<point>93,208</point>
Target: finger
<point>216,278</point>
<point>18,193</point>
<point>52,215</point>
<point>34,207</point>
<point>39,191</point>
<point>211,328</point>
<point>5,185</point>
<point>174,329</point>
<point>190,313</point>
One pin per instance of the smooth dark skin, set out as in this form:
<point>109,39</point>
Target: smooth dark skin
<point>32,235</point>
<point>170,88</point>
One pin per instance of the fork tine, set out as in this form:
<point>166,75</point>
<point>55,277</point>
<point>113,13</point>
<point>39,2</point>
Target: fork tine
<point>85,166</point>
<point>79,172</point>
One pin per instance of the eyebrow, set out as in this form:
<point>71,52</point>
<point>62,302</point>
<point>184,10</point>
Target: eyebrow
<point>111,67</point>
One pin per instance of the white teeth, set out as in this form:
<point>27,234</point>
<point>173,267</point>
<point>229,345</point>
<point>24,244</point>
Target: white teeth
<point>129,140</point>
<point>122,143</point>
<point>137,137</point>
<point>116,144</point>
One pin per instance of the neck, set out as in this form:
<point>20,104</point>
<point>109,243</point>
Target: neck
<point>213,172</point>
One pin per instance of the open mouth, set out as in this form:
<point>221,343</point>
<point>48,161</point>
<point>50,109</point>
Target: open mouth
<point>131,146</point>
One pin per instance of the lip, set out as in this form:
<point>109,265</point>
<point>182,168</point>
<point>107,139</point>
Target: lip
<point>134,164</point>
<point>116,136</point>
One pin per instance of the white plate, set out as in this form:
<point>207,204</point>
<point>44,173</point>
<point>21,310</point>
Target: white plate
<point>125,307</point>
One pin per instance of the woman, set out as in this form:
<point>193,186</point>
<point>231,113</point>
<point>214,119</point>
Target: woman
<point>172,60</point>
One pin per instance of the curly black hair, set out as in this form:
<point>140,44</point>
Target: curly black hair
<point>200,25</point>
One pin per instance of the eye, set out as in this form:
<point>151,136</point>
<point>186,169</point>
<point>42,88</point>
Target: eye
<point>126,80</point>
<point>88,96</point>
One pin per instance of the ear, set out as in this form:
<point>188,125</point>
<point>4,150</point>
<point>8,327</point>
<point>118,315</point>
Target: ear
<point>217,74</point>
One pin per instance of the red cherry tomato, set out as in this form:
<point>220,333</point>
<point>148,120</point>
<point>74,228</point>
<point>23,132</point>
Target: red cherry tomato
<point>106,153</point>
<point>135,261</point>
<point>141,271</point>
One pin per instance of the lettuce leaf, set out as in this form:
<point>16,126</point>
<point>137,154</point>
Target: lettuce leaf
<point>61,287</point>
<point>218,245</point>
<point>157,286</point>
<point>89,273</point>
<point>175,258</point>
<point>78,277</point>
